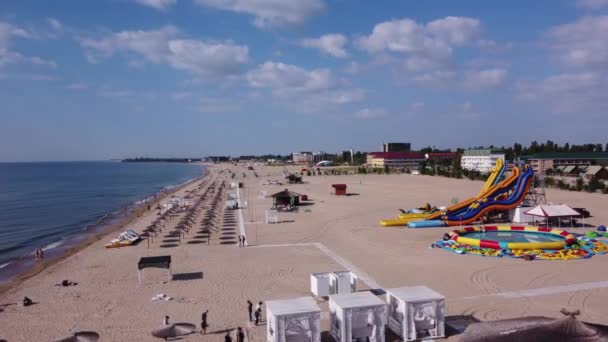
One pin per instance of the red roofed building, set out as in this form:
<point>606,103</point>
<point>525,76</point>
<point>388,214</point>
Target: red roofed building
<point>395,159</point>
<point>441,155</point>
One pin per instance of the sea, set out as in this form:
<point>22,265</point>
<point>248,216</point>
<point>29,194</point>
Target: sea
<point>50,205</point>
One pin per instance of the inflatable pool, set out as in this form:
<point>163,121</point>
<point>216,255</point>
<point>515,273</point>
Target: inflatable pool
<point>513,237</point>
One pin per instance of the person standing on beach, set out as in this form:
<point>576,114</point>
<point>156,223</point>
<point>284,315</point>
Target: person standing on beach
<point>204,324</point>
<point>227,338</point>
<point>257,316</point>
<point>166,321</point>
<point>240,335</point>
<point>250,309</point>
<point>243,240</point>
<point>240,241</point>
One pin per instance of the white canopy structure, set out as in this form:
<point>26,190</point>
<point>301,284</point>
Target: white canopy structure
<point>293,320</point>
<point>358,317</point>
<point>416,313</point>
<point>328,283</point>
<point>553,210</point>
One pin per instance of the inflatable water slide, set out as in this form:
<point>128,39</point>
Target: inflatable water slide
<point>506,195</point>
<point>429,213</point>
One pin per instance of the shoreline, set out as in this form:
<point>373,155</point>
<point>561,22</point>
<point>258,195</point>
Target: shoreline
<point>26,267</point>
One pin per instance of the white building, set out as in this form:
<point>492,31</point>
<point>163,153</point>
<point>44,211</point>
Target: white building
<point>302,157</point>
<point>481,160</point>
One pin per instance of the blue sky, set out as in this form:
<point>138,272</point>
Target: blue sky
<point>90,80</point>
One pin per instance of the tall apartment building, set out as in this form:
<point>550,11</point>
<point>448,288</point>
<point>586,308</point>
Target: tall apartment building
<point>396,147</point>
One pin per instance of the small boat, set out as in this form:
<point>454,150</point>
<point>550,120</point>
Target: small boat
<point>126,238</point>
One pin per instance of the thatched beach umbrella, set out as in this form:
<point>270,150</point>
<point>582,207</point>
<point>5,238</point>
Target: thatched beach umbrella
<point>81,336</point>
<point>536,329</point>
<point>174,330</point>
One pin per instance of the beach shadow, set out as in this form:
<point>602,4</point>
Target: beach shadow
<point>187,276</point>
<point>377,292</point>
<point>305,204</point>
<point>286,221</point>
<point>228,243</point>
<point>455,325</point>
<point>168,246</point>
<point>170,240</point>
<point>352,194</point>
<point>201,236</point>
<point>228,233</point>
<point>196,242</point>
<point>226,238</point>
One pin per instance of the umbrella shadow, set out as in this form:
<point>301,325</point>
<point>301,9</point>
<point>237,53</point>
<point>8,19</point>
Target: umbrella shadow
<point>455,325</point>
<point>187,276</point>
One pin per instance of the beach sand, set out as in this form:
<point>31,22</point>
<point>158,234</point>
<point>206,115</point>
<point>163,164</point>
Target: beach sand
<point>333,233</point>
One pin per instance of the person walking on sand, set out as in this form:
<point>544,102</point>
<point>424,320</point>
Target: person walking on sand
<point>204,324</point>
<point>243,240</point>
<point>240,335</point>
<point>240,241</point>
<point>257,316</point>
<point>166,321</point>
<point>228,338</point>
<point>250,309</point>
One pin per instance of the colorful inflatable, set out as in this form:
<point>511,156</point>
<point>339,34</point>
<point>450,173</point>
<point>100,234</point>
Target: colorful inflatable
<point>513,237</point>
<point>508,241</point>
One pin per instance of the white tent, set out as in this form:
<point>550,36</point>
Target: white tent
<point>293,320</point>
<point>416,313</point>
<point>553,210</point>
<point>359,316</point>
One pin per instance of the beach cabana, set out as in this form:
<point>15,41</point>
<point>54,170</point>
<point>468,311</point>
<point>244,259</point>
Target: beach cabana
<point>416,313</point>
<point>359,317</point>
<point>329,283</point>
<point>294,178</point>
<point>285,198</point>
<point>162,261</point>
<point>293,320</point>
<point>556,211</point>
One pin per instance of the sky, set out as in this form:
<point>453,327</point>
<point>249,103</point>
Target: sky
<point>94,80</point>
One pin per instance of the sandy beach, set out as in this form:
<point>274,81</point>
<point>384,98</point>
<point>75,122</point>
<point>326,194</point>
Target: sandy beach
<point>332,233</point>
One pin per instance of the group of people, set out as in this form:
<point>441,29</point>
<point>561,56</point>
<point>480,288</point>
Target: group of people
<point>257,314</point>
<point>241,240</point>
<point>38,253</point>
<point>240,335</point>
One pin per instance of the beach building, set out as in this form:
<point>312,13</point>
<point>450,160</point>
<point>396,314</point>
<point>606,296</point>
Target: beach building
<point>482,160</point>
<point>407,160</point>
<point>302,157</point>
<point>396,147</point>
<point>285,197</point>
<point>416,313</point>
<point>441,156</point>
<point>566,163</point>
<point>293,320</point>
<point>322,156</point>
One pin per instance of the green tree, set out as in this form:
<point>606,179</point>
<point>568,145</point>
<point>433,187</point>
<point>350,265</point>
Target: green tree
<point>595,184</point>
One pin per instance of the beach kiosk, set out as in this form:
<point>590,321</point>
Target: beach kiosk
<point>293,320</point>
<point>339,189</point>
<point>357,317</point>
<point>328,283</point>
<point>416,313</point>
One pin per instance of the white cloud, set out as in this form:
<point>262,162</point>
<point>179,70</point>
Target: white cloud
<point>434,40</point>
<point>164,46</point>
<point>575,93</point>
<point>181,95</point>
<point>583,43</point>
<point>485,78</point>
<point>7,56</point>
<point>270,13</point>
<point>352,68</point>
<point>157,4</point>
<point>371,113</point>
<point>592,4</point>
<point>331,44</point>
<point>305,90</point>
<point>55,24</point>
<point>285,77</point>
<point>438,77</point>
<point>467,112</point>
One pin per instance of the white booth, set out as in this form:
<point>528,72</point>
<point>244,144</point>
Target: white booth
<point>328,283</point>
<point>416,313</point>
<point>357,317</point>
<point>293,320</point>
<point>518,215</point>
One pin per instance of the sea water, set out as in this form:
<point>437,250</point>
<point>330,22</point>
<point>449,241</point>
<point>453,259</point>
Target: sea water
<point>45,204</point>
